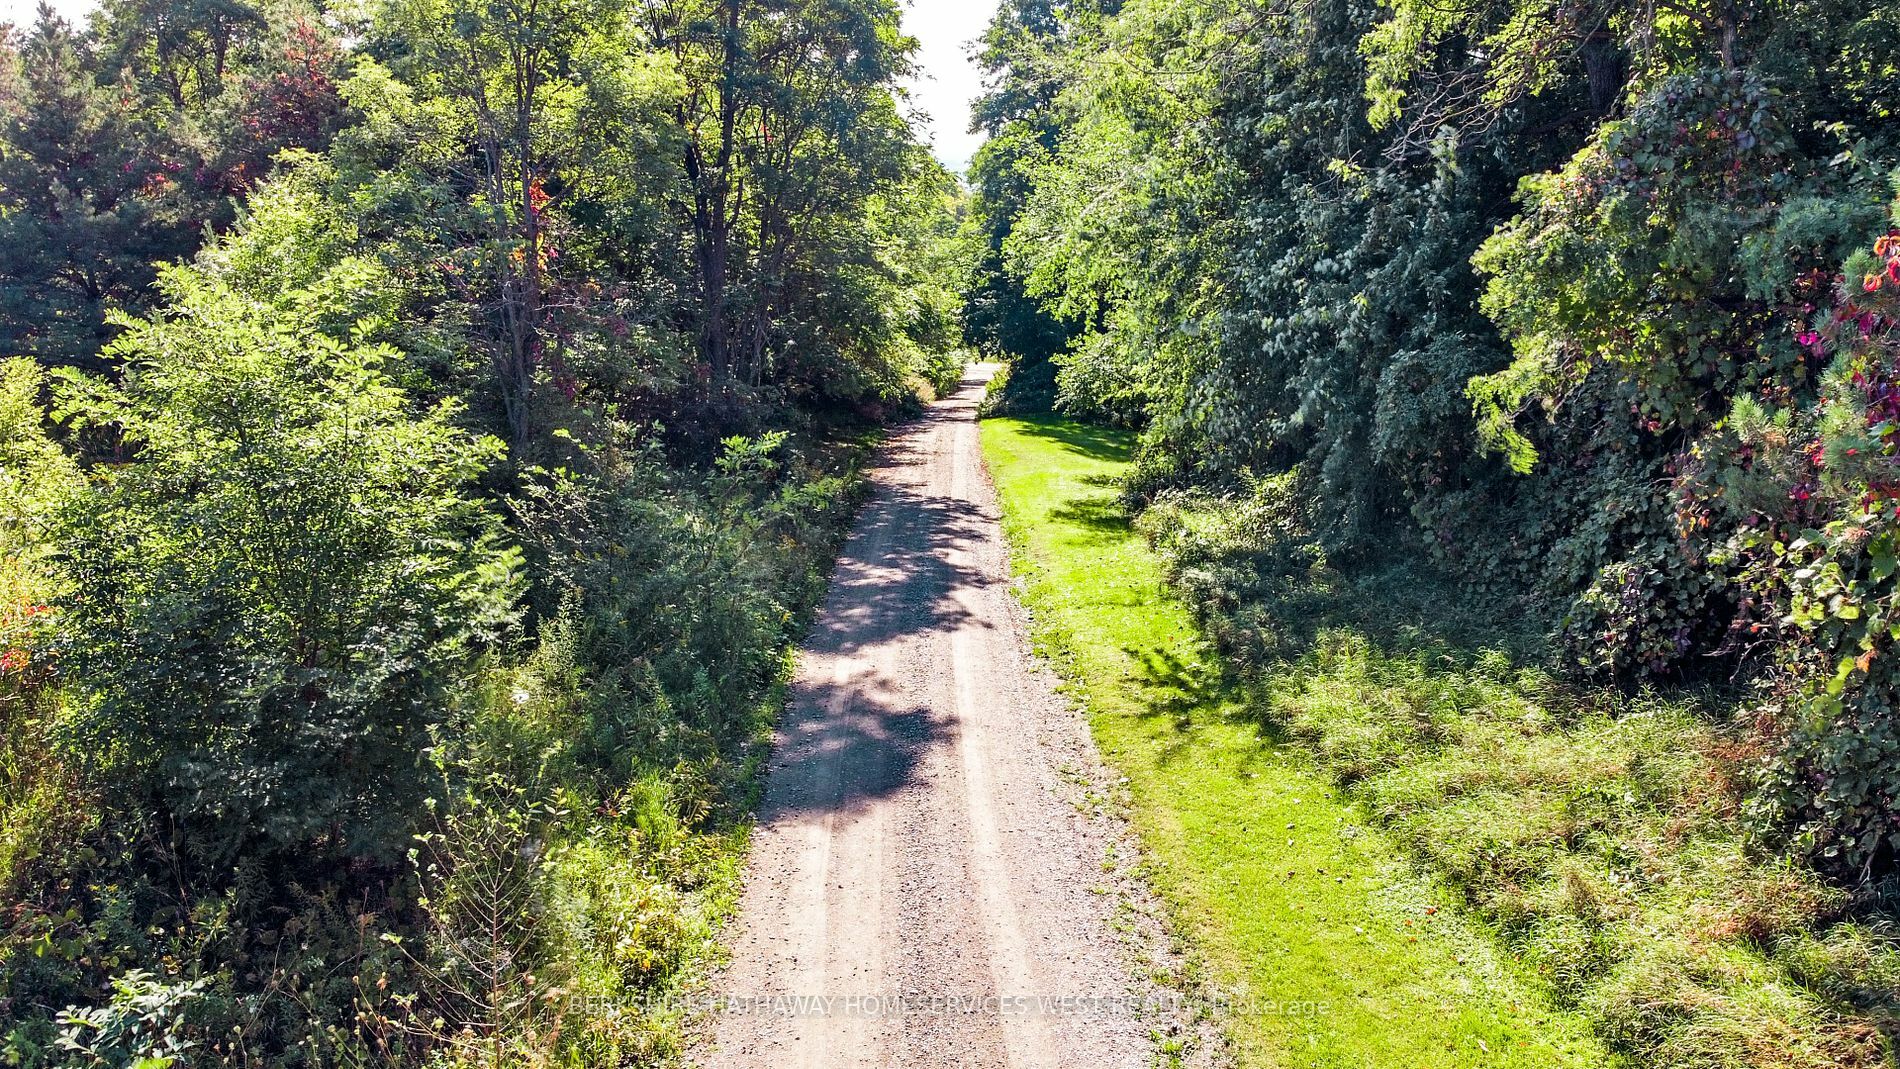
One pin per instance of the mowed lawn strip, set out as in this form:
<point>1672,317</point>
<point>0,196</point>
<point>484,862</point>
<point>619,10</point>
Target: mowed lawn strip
<point>1331,950</point>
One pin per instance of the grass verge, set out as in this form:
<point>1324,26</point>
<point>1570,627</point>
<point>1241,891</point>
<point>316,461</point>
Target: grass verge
<point>1334,951</point>
<point>1602,835</point>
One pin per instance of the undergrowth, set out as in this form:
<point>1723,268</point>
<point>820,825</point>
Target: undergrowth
<point>1599,831</point>
<point>557,886</point>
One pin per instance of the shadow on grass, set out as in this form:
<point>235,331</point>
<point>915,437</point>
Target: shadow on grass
<point>1267,610</point>
<point>1177,687</point>
<point>1108,444</point>
<point>1401,604</point>
<point>1095,519</point>
<point>1193,694</point>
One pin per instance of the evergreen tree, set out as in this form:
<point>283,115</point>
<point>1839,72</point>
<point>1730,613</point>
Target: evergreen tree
<point>87,203</point>
<point>120,148</point>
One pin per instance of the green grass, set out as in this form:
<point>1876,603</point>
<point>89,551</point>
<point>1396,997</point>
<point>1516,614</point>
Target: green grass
<point>1285,892</point>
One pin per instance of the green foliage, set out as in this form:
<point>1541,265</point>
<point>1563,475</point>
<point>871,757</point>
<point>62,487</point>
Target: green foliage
<point>1598,833</point>
<point>141,1028</point>
<point>1289,246</point>
<point>75,229</point>
<point>122,144</point>
<point>925,259</point>
<point>642,232</point>
<point>1627,257</point>
<point>1249,291</point>
<point>574,873</point>
<point>686,594</point>
<point>267,604</point>
<point>558,906</point>
<point>1104,233</point>
<point>353,736</point>
<point>1019,113</point>
<point>38,798</point>
<point>1808,493</point>
<point>35,476</point>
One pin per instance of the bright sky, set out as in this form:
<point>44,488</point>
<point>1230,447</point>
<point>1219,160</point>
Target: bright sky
<point>943,90</point>
<point>948,81</point>
<point>22,12</point>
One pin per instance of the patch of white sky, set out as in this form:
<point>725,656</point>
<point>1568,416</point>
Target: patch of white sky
<point>23,12</point>
<point>947,79</point>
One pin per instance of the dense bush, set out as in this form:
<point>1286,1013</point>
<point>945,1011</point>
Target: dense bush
<point>286,628</point>
<point>1551,297</point>
<point>586,847</point>
<point>1811,492</point>
<point>125,142</point>
<point>271,599</point>
<point>684,590</point>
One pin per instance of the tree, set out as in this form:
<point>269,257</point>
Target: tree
<point>271,596</point>
<point>508,68</point>
<point>180,51</point>
<point>120,152</point>
<point>87,204</point>
<point>1018,110</point>
<point>787,127</point>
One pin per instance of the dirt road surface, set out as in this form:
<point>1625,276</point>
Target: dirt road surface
<point>923,889</point>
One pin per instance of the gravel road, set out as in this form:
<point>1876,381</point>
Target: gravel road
<point>925,889</point>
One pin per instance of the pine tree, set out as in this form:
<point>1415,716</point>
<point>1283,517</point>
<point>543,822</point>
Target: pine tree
<point>86,204</point>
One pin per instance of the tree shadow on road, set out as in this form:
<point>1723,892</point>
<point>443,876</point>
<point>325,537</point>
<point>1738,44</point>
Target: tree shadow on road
<point>848,740</point>
<point>900,572</point>
<point>843,745</point>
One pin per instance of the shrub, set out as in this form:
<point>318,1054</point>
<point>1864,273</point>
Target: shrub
<point>685,589</point>
<point>142,1027</point>
<point>1816,508</point>
<point>270,598</point>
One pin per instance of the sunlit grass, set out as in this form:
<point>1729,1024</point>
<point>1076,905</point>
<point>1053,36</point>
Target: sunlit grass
<point>1288,898</point>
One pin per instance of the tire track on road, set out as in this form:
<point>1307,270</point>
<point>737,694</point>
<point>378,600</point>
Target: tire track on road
<point>915,842</point>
